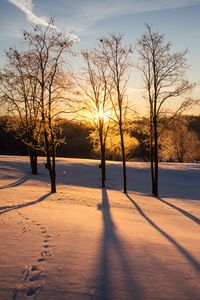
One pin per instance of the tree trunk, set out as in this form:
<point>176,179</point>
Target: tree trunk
<point>152,157</point>
<point>33,160</point>
<point>51,170</point>
<point>102,154</point>
<point>103,165</point>
<point>123,160</point>
<point>155,158</point>
<point>50,164</point>
<point>53,177</point>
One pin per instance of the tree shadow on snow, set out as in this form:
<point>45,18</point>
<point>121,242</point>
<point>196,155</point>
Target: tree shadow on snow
<point>16,183</point>
<point>182,211</point>
<point>5,209</point>
<point>180,183</point>
<point>22,164</point>
<point>173,183</point>
<point>115,272</point>
<point>193,262</point>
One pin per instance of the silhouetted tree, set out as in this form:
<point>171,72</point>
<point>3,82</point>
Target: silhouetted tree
<point>49,46</point>
<point>97,88</point>
<point>117,57</point>
<point>18,89</point>
<point>38,88</point>
<point>163,76</point>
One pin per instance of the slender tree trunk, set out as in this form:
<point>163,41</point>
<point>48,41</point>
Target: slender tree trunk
<point>50,164</point>
<point>155,158</point>
<point>33,160</point>
<point>103,160</point>
<point>123,159</point>
<point>103,164</point>
<point>152,157</point>
<point>152,165</point>
<point>53,177</point>
<point>51,170</point>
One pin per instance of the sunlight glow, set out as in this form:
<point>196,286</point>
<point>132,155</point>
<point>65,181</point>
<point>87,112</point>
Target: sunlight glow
<point>102,116</point>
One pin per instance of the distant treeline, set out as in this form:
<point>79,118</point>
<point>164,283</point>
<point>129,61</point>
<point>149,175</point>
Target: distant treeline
<point>79,144</point>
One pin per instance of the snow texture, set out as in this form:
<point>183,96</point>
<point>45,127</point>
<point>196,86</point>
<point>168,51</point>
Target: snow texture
<point>90,243</point>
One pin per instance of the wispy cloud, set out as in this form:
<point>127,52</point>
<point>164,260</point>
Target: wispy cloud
<point>81,17</point>
<point>27,7</point>
<point>85,16</point>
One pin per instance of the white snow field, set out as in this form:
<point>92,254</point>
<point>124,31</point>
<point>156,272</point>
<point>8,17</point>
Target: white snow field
<point>90,243</point>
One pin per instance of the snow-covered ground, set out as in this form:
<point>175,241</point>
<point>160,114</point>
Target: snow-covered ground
<point>89,243</point>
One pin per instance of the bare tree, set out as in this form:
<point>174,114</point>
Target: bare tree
<point>96,88</point>
<point>117,57</point>
<point>18,88</point>
<point>39,89</point>
<point>163,75</point>
<point>49,46</point>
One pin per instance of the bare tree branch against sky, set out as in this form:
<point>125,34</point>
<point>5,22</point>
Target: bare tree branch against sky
<point>177,19</point>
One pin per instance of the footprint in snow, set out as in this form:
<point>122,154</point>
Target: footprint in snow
<point>45,253</point>
<point>31,291</point>
<point>42,259</point>
<point>34,268</point>
<point>47,236</point>
<point>24,229</point>
<point>35,276</point>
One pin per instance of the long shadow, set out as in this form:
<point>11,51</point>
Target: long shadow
<point>182,211</point>
<point>14,184</point>
<point>180,183</point>
<point>195,264</point>
<point>6,209</point>
<point>113,259</point>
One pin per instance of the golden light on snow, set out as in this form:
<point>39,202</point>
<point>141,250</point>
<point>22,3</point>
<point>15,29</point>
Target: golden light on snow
<point>124,241</point>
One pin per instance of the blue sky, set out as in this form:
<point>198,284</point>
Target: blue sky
<point>179,20</point>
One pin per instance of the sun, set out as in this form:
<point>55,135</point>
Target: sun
<point>102,116</point>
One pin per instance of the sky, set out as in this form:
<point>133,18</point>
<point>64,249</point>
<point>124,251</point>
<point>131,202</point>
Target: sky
<point>179,20</point>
